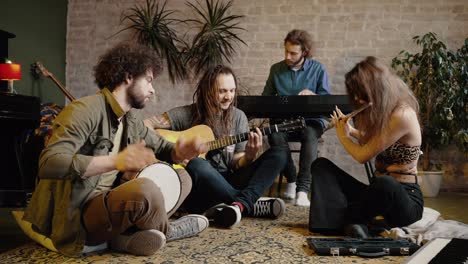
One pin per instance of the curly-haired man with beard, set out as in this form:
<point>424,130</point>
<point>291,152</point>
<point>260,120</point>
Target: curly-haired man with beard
<point>97,142</point>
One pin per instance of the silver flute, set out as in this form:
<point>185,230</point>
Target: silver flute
<point>350,115</point>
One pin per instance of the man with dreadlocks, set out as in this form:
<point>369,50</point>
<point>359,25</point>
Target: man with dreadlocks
<point>231,180</point>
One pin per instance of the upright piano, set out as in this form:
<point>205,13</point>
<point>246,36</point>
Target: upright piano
<point>19,115</point>
<point>292,106</point>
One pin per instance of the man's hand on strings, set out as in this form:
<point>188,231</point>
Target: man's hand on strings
<point>254,144</point>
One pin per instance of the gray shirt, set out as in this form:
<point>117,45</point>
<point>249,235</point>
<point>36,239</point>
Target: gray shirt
<point>181,118</point>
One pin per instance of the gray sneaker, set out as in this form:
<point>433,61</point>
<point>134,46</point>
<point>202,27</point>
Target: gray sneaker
<point>267,207</point>
<point>140,243</point>
<point>187,226</point>
<point>223,215</point>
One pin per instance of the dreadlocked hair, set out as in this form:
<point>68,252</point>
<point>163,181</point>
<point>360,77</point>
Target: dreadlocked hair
<point>208,110</point>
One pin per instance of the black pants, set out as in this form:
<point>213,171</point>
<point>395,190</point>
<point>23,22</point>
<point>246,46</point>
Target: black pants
<point>245,185</point>
<point>309,144</point>
<point>339,199</point>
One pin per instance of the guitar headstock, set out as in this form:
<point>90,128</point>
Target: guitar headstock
<point>292,124</point>
<point>37,69</point>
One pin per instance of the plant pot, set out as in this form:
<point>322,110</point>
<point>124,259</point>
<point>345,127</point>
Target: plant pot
<point>430,182</point>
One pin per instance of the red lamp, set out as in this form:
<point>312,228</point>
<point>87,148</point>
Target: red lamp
<point>10,72</point>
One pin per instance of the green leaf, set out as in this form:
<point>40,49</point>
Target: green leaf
<point>443,94</point>
<point>152,25</point>
<point>218,31</point>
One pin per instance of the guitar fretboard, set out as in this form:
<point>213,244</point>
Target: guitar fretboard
<point>230,140</point>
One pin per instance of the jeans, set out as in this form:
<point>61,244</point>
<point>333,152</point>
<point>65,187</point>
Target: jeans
<point>338,199</point>
<point>135,205</point>
<point>245,185</point>
<point>309,144</point>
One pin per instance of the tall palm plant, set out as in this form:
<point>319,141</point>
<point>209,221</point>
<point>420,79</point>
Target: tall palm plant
<point>213,44</point>
<point>152,25</point>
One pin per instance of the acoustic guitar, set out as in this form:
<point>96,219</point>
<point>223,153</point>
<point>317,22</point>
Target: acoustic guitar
<point>208,137</point>
<point>38,69</point>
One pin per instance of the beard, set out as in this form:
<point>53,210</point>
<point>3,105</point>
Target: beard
<point>292,64</point>
<point>225,105</point>
<point>136,99</point>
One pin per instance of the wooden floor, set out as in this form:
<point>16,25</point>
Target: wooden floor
<point>452,206</point>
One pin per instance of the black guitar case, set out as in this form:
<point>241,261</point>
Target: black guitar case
<point>368,247</point>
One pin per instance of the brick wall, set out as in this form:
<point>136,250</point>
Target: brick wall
<point>344,31</point>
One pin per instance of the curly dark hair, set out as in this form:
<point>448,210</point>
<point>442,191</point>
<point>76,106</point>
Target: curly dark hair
<point>125,60</point>
<point>302,38</point>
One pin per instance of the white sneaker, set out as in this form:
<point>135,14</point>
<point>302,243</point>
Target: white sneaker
<point>290,192</point>
<point>141,243</point>
<point>302,199</point>
<point>187,226</point>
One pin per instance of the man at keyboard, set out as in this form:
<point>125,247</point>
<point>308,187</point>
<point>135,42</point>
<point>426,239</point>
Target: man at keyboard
<point>298,74</point>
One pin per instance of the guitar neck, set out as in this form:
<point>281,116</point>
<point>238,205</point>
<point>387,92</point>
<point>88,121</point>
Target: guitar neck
<point>65,91</point>
<point>230,140</point>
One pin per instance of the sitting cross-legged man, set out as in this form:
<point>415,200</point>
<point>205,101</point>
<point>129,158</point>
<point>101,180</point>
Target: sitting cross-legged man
<point>230,181</point>
<point>98,142</point>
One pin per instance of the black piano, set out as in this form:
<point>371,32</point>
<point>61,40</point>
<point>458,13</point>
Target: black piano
<point>19,115</point>
<point>292,106</point>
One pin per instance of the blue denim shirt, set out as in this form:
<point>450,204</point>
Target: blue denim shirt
<point>284,81</point>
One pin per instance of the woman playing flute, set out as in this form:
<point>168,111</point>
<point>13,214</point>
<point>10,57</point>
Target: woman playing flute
<point>388,131</point>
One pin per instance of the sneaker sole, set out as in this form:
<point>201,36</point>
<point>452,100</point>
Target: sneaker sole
<point>278,208</point>
<point>143,243</point>
<point>226,218</point>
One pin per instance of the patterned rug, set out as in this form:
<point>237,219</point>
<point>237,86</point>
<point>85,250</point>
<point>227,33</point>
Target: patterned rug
<point>253,241</point>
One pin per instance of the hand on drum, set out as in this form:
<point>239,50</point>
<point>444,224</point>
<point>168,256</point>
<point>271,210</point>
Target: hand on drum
<point>187,149</point>
<point>134,157</point>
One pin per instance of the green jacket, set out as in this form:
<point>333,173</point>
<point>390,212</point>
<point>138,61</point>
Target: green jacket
<point>84,129</point>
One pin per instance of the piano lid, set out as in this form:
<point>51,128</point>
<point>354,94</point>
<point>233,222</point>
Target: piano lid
<point>291,106</point>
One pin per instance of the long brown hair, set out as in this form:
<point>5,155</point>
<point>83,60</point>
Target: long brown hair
<point>370,80</point>
<point>207,108</point>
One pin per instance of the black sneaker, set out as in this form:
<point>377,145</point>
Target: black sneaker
<point>223,215</point>
<point>267,207</point>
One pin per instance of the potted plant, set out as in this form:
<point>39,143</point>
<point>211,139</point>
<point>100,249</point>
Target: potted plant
<point>214,31</point>
<point>213,44</point>
<point>461,98</point>
<point>153,26</point>
<point>437,77</point>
